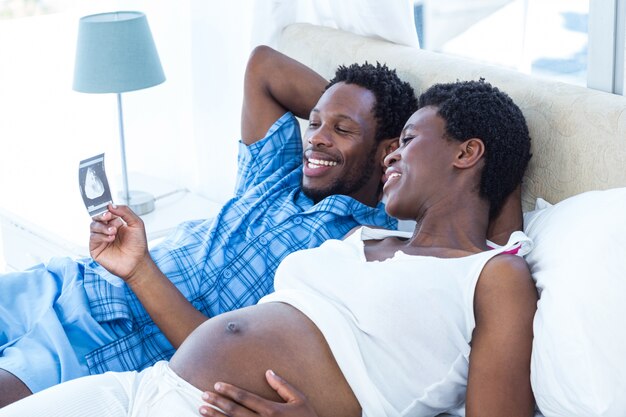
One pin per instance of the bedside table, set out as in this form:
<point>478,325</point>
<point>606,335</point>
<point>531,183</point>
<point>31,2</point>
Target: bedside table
<point>34,237</point>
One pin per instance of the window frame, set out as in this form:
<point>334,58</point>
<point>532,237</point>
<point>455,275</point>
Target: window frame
<point>607,40</point>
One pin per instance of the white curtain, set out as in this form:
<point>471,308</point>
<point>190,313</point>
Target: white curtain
<point>387,19</point>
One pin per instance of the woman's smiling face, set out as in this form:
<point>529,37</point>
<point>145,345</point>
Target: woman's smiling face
<point>417,170</point>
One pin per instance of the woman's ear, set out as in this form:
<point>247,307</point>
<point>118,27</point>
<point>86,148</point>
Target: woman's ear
<point>470,153</point>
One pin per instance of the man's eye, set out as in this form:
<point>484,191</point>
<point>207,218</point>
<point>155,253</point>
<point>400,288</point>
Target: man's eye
<point>313,125</point>
<point>341,130</point>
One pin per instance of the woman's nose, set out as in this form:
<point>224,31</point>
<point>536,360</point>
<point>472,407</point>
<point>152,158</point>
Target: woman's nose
<point>392,158</point>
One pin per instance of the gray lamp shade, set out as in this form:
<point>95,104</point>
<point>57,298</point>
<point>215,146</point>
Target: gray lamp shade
<point>116,53</point>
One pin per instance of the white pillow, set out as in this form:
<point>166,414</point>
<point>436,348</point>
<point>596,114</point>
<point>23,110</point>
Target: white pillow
<point>578,366</point>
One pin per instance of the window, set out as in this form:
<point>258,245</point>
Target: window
<point>547,38</point>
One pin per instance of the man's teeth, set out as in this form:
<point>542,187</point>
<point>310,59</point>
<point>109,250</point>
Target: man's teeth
<point>319,162</point>
<point>393,175</point>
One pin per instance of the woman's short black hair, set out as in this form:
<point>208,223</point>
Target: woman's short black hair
<point>395,99</point>
<point>476,109</point>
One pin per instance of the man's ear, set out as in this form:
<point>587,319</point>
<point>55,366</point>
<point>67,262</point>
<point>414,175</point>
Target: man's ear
<point>387,146</point>
<point>469,153</point>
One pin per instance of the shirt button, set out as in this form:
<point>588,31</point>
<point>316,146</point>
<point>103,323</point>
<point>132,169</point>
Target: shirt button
<point>228,273</point>
<point>297,220</point>
<point>262,240</point>
<point>148,330</point>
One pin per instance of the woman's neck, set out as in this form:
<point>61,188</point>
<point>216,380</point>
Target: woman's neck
<point>462,226</point>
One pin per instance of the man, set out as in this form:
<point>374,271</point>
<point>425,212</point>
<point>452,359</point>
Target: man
<point>70,318</point>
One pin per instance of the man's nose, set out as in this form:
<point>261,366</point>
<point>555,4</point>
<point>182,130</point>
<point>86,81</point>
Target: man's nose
<point>320,137</point>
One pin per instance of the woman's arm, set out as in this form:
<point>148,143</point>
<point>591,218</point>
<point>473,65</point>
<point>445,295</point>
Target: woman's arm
<point>118,243</point>
<point>499,374</point>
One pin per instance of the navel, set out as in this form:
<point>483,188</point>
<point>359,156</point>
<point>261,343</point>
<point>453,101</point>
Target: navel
<point>232,327</point>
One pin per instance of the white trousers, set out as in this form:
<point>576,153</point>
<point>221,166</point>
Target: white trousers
<point>154,392</point>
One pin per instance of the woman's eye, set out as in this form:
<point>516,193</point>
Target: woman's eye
<point>404,141</point>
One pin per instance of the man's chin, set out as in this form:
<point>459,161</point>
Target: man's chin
<point>315,194</point>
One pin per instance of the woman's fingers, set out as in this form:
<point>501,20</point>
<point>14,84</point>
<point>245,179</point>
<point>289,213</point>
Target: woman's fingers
<point>236,402</point>
<point>226,405</point>
<point>286,391</point>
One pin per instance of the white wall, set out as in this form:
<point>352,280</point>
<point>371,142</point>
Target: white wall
<point>184,130</point>
<point>191,123</point>
<point>45,128</point>
<point>221,45</point>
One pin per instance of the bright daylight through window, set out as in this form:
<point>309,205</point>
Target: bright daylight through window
<point>546,38</point>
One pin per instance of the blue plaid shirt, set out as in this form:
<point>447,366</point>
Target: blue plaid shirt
<point>228,262</point>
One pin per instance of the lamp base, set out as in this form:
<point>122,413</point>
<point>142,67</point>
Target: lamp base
<point>140,202</point>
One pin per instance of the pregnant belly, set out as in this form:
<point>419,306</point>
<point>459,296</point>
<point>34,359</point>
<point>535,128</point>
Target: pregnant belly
<point>239,346</point>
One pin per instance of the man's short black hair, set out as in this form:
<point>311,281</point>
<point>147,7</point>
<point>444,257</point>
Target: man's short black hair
<point>395,99</point>
<point>476,109</point>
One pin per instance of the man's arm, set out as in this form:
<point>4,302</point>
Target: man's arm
<point>499,374</point>
<point>273,85</point>
<point>508,220</point>
<point>118,243</point>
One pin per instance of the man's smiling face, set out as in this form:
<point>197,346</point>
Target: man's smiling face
<point>340,150</point>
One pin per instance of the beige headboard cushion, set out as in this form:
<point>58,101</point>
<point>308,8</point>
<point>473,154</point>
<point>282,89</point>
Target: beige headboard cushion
<point>578,134</point>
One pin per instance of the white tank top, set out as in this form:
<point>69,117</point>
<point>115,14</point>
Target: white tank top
<point>399,329</point>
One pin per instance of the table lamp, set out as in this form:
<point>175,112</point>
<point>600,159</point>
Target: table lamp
<point>115,53</point>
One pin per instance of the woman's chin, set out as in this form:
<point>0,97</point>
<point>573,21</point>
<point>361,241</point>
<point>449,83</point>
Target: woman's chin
<point>390,209</point>
<point>397,213</point>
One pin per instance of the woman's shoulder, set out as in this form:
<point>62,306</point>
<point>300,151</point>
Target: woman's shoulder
<point>505,279</point>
